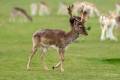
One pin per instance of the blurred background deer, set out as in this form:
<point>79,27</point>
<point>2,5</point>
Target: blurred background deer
<point>108,24</point>
<point>43,9</point>
<point>86,6</point>
<point>40,9</point>
<point>34,9</point>
<point>20,13</point>
<point>62,9</point>
<point>117,5</point>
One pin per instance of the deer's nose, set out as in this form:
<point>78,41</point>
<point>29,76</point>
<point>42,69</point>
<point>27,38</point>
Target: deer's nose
<point>86,34</point>
<point>88,28</point>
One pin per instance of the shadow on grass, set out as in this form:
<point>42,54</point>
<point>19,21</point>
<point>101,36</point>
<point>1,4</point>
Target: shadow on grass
<point>105,61</point>
<point>112,61</point>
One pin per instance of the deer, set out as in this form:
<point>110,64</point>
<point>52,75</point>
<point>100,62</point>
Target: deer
<point>86,6</point>
<point>62,10</point>
<point>19,12</point>
<point>43,9</point>
<point>108,24</point>
<point>34,9</point>
<point>59,39</point>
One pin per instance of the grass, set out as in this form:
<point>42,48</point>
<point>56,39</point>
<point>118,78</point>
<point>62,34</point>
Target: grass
<point>87,59</point>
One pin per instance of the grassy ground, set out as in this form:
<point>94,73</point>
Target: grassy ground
<point>88,59</point>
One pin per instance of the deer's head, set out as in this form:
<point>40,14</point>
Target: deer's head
<point>78,22</point>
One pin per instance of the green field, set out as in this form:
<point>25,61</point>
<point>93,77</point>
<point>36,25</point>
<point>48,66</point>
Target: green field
<point>86,59</point>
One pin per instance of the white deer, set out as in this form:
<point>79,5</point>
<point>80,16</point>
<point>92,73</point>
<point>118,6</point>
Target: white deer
<point>108,24</point>
<point>34,9</point>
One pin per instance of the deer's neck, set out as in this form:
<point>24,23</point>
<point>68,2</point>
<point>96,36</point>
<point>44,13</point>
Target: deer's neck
<point>71,36</point>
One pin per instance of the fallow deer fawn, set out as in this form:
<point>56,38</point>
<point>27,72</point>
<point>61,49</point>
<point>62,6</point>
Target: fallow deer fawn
<point>48,37</point>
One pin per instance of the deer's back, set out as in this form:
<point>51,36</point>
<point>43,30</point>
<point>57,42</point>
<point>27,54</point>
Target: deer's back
<point>50,37</point>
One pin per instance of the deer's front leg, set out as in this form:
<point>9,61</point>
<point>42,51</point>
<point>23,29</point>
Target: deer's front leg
<point>104,29</point>
<point>60,63</point>
<point>112,37</point>
<point>61,53</point>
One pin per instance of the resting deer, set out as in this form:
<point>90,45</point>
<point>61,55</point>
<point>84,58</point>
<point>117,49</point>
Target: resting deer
<point>48,37</point>
<point>19,12</point>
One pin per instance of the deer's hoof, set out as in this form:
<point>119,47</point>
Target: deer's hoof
<point>62,70</point>
<point>28,68</point>
<point>102,39</point>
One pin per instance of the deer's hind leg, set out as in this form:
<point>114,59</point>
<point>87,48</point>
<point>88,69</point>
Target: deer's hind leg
<point>34,49</point>
<point>112,37</point>
<point>60,63</point>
